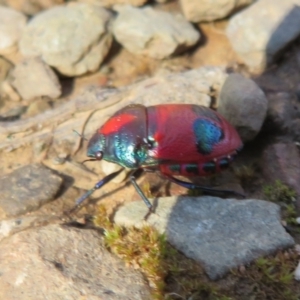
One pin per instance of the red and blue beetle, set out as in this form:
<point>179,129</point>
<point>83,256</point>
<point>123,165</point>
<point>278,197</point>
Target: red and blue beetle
<point>175,139</point>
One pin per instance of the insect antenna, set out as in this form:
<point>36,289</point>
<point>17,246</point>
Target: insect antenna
<point>80,135</point>
<point>89,159</point>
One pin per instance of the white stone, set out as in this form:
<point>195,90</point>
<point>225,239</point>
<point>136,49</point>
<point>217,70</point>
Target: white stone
<point>12,24</point>
<point>153,33</point>
<point>207,10</point>
<point>297,272</point>
<point>73,38</point>
<point>259,32</point>
<point>33,78</point>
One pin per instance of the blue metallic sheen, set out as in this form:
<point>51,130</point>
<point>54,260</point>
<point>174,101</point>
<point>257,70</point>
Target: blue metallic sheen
<point>207,135</point>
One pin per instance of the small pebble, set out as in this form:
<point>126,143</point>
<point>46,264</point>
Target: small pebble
<point>242,269</point>
<point>297,272</point>
<point>297,249</point>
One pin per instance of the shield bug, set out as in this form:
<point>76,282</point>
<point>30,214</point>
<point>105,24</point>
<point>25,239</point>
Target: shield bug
<point>174,139</point>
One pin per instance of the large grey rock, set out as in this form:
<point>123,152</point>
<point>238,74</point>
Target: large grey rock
<point>153,33</point>
<point>73,38</point>
<point>33,78</point>
<point>244,105</point>
<point>57,262</point>
<point>219,233</point>
<point>207,10</point>
<point>259,32</point>
<point>26,189</point>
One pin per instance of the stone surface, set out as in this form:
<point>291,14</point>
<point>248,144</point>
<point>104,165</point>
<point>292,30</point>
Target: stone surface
<point>5,67</point>
<point>281,161</point>
<point>244,105</point>
<point>11,27</point>
<point>153,33</point>
<point>12,226</point>
<point>283,108</point>
<point>38,106</point>
<point>26,189</point>
<point>8,91</point>
<point>14,113</point>
<point>33,78</point>
<point>209,10</point>
<point>59,36</point>
<point>259,32</point>
<point>111,3</point>
<point>193,86</point>
<point>60,262</point>
<point>219,233</point>
<point>31,7</point>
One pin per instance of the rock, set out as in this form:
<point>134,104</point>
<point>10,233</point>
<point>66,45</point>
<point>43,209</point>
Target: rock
<point>7,90</point>
<point>210,11</point>
<point>153,33</point>
<point>11,27</point>
<point>38,106</point>
<point>14,113</point>
<point>281,161</point>
<point>12,226</point>
<point>59,36</point>
<point>259,32</point>
<point>244,105</point>
<point>297,272</point>
<point>192,87</point>
<point>65,263</point>
<point>5,67</point>
<point>219,233</point>
<point>33,78</point>
<point>295,129</point>
<point>111,3</point>
<point>26,189</point>
<point>31,7</point>
<point>283,108</point>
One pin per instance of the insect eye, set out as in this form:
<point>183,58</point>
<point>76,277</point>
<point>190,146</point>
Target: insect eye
<point>99,155</point>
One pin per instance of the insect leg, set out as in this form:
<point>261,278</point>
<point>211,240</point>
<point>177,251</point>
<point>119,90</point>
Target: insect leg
<point>97,186</point>
<point>140,192</point>
<point>192,186</point>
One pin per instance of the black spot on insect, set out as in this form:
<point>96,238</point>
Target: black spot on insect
<point>210,167</point>
<point>174,168</point>
<point>192,168</point>
<point>224,163</point>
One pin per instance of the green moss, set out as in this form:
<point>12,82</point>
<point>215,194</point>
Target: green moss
<point>279,192</point>
<point>285,196</point>
<point>275,275</point>
<point>245,173</point>
<point>148,250</point>
<point>173,276</point>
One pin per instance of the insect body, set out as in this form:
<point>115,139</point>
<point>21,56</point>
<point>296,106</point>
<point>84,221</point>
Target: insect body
<point>175,139</point>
